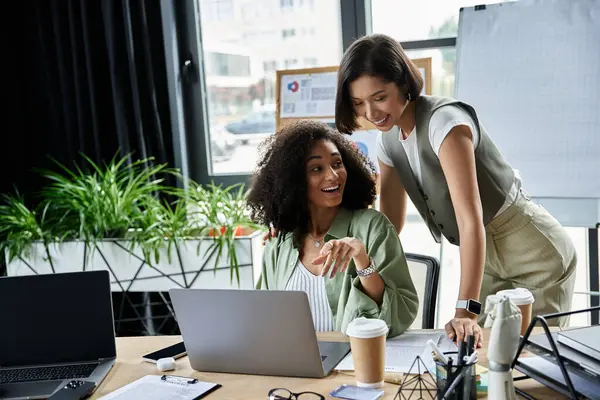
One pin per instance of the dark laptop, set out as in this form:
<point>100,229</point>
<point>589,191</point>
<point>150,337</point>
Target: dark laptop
<point>54,328</point>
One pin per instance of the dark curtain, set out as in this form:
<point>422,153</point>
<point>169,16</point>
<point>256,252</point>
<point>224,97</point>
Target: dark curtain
<point>84,76</point>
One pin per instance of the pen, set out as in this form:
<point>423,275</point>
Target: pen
<point>470,345</point>
<point>437,351</point>
<point>455,382</point>
<point>472,358</point>
<point>462,347</point>
<point>459,377</point>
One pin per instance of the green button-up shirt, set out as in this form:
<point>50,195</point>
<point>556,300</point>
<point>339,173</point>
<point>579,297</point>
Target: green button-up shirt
<point>344,291</point>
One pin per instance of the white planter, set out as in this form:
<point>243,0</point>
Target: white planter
<point>189,268</point>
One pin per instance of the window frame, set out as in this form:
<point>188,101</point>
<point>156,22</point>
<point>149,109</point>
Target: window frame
<point>355,22</point>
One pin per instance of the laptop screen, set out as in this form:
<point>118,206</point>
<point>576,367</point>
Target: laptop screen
<point>56,318</point>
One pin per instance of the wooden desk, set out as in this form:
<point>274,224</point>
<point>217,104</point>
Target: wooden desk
<point>130,367</point>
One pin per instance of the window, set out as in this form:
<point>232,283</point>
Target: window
<point>306,3</point>
<point>218,10</point>
<point>286,33</point>
<point>269,66</point>
<point>220,64</point>
<point>252,9</point>
<point>255,36</point>
<point>308,31</point>
<point>407,20</point>
<point>442,68</point>
<point>249,12</point>
<point>289,64</point>
<point>241,56</point>
<point>286,4</point>
<point>310,62</point>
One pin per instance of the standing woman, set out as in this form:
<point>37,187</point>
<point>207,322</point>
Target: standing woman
<point>436,150</point>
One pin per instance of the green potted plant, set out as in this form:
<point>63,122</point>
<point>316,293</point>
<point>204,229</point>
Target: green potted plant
<point>21,228</point>
<point>122,217</point>
<point>221,214</point>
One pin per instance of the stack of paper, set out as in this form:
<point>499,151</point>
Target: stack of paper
<point>401,351</point>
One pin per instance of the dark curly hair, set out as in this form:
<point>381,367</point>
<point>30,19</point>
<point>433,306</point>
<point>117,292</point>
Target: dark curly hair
<point>279,192</point>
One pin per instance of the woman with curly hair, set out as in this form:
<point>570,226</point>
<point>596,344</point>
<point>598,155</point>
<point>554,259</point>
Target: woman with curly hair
<point>316,189</point>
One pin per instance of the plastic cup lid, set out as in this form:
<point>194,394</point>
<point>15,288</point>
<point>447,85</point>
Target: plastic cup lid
<point>366,328</point>
<point>519,296</point>
<point>490,302</point>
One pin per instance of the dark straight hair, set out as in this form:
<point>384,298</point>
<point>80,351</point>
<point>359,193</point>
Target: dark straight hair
<point>378,56</point>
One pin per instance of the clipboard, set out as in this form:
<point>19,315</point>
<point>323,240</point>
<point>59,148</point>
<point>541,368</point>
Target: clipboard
<point>155,387</point>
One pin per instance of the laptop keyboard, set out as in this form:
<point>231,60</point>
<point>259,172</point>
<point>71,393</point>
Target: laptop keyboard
<point>47,373</point>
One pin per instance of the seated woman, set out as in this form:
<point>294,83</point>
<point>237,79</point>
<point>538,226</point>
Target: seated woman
<point>315,188</point>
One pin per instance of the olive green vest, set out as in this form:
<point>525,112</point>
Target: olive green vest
<point>494,176</point>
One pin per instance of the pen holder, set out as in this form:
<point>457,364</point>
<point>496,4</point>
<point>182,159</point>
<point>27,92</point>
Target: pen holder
<point>456,382</point>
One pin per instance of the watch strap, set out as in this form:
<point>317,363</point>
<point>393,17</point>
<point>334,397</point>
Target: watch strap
<point>367,271</point>
<point>471,305</point>
<point>462,304</point>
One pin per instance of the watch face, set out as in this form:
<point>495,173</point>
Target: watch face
<point>475,307</point>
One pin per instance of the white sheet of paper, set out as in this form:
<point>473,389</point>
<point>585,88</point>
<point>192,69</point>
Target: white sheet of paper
<point>401,351</point>
<point>151,387</point>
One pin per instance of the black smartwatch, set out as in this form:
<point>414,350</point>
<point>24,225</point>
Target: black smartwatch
<point>472,306</point>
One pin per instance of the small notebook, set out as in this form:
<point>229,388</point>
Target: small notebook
<point>155,387</point>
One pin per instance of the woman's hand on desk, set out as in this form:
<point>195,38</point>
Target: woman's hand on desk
<point>462,325</point>
<point>337,254</point>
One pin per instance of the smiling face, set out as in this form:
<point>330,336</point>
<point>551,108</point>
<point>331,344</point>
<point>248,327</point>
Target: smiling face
<point>380,102</point>
<point>325,174</point>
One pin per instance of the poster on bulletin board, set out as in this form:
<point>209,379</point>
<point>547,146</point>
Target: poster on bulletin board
<point>308,95</point>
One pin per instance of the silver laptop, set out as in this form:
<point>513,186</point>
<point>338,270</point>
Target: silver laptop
<point>55,328</point>
<point>258,332</point>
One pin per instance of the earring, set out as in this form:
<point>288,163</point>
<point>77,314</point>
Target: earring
<point>408,96</point>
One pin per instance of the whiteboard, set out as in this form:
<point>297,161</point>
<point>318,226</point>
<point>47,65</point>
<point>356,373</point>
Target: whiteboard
<point>531,69</point>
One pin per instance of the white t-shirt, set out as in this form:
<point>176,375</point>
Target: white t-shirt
<point>441,123</point>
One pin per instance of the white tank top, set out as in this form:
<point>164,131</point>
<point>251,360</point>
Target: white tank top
<point>314,286</point>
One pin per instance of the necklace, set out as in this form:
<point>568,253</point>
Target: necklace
<point>317,241</point>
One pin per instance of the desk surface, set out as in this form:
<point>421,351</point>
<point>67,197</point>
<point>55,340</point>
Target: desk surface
<point>130,367</point>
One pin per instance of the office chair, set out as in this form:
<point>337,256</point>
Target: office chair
<point>424,271</point>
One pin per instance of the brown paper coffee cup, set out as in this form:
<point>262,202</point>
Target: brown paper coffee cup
<point>523,299</point>
<point>526,312</point>
<point>367,344</point>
